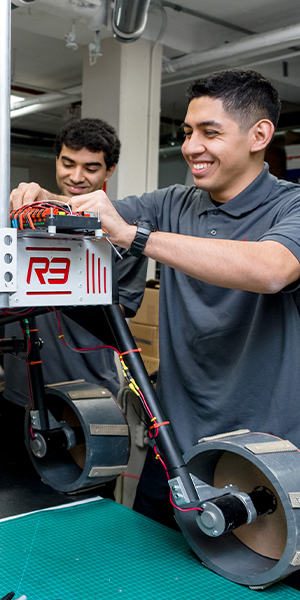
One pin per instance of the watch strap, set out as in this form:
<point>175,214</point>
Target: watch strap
<point>140,240</point>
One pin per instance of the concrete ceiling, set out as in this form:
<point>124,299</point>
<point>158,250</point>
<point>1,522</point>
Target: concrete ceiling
<point>42,62</point>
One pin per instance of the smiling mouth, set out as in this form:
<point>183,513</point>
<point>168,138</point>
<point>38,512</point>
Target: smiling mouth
<point>75,189</point>
<point>201,166</point>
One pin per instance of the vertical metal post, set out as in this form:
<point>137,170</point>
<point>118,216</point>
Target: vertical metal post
<point>5,42</point>
<point>5,62</point>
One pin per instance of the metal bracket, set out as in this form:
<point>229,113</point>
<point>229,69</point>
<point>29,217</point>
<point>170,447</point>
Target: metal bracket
<point>208,492</point>
<point>53,424</point>
<point>178,490</point>
<point>204,491</point>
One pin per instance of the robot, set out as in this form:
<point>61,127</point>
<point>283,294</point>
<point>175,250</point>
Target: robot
<point>236,496</point>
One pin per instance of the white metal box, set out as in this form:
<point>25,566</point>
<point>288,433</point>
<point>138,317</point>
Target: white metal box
<point>62,271</point>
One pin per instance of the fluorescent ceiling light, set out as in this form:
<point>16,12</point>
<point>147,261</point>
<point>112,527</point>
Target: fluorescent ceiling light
<point>14,99</point>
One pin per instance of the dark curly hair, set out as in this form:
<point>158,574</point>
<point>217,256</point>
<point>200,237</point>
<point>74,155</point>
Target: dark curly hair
<point>93,134</point>
<point>246,95</point>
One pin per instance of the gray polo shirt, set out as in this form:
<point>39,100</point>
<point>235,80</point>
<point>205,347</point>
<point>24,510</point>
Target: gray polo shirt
<point>228,359</point>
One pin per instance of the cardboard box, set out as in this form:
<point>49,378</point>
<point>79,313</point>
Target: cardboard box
<point>146,338</point>
<point>150,363</point>
<point>148,312</point>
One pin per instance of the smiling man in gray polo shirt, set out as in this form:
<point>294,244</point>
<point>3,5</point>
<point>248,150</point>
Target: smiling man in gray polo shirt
<point>230,250</point>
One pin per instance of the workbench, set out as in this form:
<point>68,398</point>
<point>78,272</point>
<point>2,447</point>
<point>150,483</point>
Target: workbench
<point>97,549</point>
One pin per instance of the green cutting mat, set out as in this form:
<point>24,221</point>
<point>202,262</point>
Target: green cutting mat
<point>102,550</point>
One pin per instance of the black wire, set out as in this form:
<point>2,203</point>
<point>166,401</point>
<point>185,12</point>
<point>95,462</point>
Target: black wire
<point>139,416</point>
<point>8,596</point>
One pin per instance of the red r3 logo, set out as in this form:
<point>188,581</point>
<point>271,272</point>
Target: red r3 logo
<point>40,266</point>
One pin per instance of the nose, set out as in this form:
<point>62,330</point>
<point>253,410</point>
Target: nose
<point>77,175</point>
<point>193,144</point>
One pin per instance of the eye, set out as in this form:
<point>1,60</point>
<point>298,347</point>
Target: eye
<point>210,132</point>
<point>67,165</point>
<point>187,134</point>
<point>90,170</point>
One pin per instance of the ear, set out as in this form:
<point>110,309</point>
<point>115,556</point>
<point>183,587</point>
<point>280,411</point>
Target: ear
<point>109,172</point>
<point>261,133</point>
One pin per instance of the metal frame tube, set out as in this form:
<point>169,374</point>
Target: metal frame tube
<point>5,42</point>
<point>5,60</point>
<point>166,441</point>
<point>36,374</point>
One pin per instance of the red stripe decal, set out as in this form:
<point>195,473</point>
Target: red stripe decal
<point>99,280</point>
<point>93,271</point>
<point>104,273</point>
<point>87,273</point>
<point>47,249</point>
<point>46,293</point>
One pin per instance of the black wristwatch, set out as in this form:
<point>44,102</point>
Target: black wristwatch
<point>143,231</point>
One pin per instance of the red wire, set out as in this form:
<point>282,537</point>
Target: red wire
<point>146,408</point>
<point>184,509</point>
<point>30,211</point>
<point>144,403</point>
<point>157,455</point>
<point>16,311</point>
<point>80,349</point>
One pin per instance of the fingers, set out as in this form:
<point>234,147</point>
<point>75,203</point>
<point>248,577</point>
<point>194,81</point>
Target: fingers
<point>98,202</point>
<point>94,202</point>
<point>16,199</point>
<point>25,193</point>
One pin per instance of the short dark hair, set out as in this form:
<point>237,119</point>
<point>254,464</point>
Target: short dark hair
<point>246,95</point>
<point>93,134</point>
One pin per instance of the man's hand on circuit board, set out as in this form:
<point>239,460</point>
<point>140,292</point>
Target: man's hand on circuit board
<point>121,233</point>
<point>27,193</point>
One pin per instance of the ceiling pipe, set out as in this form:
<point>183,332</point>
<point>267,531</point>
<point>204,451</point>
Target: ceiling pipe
<point>95,11</point>
<point>49,97</point>
<point>210,18</point>
<point>17,3</point>
<point>45,101</point>
<point>251,46</point>
<point>254,63</point>
<point>129,18</point>
<point>40,106</point>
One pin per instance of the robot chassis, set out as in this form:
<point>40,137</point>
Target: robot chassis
<point>236,496</point>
